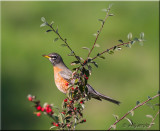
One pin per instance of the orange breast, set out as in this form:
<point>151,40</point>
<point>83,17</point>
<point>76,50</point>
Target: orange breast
<point>59,81</point>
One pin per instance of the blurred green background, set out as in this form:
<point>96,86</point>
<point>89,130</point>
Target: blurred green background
<point>129,75</point>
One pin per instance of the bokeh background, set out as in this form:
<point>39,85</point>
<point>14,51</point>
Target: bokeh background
<point>129,75</point>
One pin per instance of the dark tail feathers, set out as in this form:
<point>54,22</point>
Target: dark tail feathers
<point>95,94</point>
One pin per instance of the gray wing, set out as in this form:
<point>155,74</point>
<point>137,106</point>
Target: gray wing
<point>67,75</point>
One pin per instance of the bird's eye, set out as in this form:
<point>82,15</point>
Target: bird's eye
<point>54,57</point>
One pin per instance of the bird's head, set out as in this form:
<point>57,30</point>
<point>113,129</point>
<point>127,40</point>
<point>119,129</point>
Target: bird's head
<point>54,58</point>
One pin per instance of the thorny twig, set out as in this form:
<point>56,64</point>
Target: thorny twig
<point>153,120</point>
<point>133,110</point>
<point>99,31</point>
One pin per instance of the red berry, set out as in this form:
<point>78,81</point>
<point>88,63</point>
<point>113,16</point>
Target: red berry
<point>71,101</point>
<point>30,98</point>
<point>81,101</point>
<point>75,108</point>
<point>54,123</point>
<point>57,124</point>
<point>72,88</point>
<point>63,113</point>
<point>66,84</point>
<point>65,100</point>
<point>48,110</point>
<point>47,105</point>
<point>38,114</point>
<point>68,125</point>
<point>86,78</point>
<point>85,62</point>
<point>84,120</point>
<point>39,108</point>
<point>42,109</point>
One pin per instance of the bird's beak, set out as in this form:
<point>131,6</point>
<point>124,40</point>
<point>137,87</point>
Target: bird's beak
<point>46,56</point>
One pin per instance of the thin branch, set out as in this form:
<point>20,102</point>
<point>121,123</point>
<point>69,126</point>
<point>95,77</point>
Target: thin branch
<point>65,41</point>
<point>153,120</point>
<point>110,49</point>
<point>133,110</point>
<point>99,31</point>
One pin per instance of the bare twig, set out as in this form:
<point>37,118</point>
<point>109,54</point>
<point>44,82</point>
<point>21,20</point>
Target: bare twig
<point>153,120</point>
<point>110,49</point>
<point>65,41</point>
<point>99,31</point>
<point>133,110</point>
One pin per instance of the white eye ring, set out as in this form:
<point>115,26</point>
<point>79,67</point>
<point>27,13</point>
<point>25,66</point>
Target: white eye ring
<point>54,57</point>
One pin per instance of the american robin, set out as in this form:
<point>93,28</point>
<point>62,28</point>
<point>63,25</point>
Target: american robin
<point>62,75</point>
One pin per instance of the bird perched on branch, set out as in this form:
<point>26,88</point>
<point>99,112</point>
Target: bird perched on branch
<point>62,75</point>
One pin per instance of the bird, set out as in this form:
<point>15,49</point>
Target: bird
<point>62,75</point>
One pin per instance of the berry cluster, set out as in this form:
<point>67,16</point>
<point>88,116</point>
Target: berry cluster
<point>72,106</point>
<point>65,119</point>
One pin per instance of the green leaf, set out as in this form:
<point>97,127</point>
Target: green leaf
<point>68,117</point>
<point>75,62</point>
<point>129,120</point>
<point>56,39</point>
<point>63,45</point>
<point>57,30</point>
<point>48,30</point>
<point>105,10</point>
<point>55,118</point>
<point>60,117</point>
<point>120,41</point>
<point>89,60</point>
<point>116,117</point>
<point>132,113</point>
<point>129,45</point>
<point>102,57</point>
<point>100,20</point>
<point>142,35</point>
<point>65,40</point>
<point>114,47</point>
<point>111,15</point>
<point>89,68</point>
<point>110,5</point>
<point>149,97</point>
<point>43,19</point>
<point>137,103</point>
<point>98,54</point>
<point>135,39</point>
<point>96,65</point>
<point>52,127</point>
<point>44,24</point>
<point>129,36</point>
<point>97,45</point>
<point>149,116</point>
<point>118,48</point>
<point>71,54</point>
<point>95,34</point>
<point>52,23</point>
<point>132,42</point>
<point>111,52</point>
<point>86,48</point>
